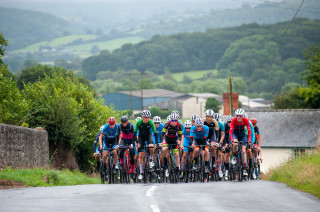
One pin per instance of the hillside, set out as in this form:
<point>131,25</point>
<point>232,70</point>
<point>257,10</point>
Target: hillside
<point>24,27</point>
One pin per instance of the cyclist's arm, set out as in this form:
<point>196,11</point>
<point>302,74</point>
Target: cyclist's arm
<point>100,140</point>
<point>222,137</point>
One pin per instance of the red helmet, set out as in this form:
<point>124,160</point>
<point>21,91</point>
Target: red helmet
<point>112,121</point>
<point>253,121</point>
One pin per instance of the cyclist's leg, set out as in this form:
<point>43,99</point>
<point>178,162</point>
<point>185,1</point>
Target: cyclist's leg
<point>141,151</point>
<point>121,152</point>
<point>165,154</point>
<point>151,150</point>
<point>213,149</point>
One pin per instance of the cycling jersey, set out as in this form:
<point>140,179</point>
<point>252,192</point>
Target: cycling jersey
<point>110,137</point>
<point>203,134</point>
<point>172,131</point>
<point>238,128</point>
<point>186,140</point>
<point>159,132</point>
<point>145,128</point>
<point>126,132</point>
<point>227,136</point>
<point>257,134</point>
<point>221,128</point>
<point>213,126</point>
<point>95,148</point>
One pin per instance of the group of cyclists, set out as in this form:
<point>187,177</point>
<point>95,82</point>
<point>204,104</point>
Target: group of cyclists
<point>209,143</point>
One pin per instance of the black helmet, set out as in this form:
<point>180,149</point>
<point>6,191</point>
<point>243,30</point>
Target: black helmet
<point>124,118</point>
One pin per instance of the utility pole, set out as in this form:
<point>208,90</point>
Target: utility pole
<point>230,96</point>
<point>130,78</point>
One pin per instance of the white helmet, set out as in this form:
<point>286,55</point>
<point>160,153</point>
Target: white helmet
<point>198,121</point>
<point>101,128</point>
<point>187,124</point>
<point>137,119</point>
<point>175,112</point>
<point>146,113</point>
<point>240,111</point>
<point>209,112</point>
<point>156,119</point>
<point>194,117</point>
<point>216,116</point>
<point>174,116</point>
<point>169,118</point>
<point>229,118</point>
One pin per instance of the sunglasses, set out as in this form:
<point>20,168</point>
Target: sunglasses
<point>174,120</point>
<point>240,116</point>
<point>188,128</point>
<point>156,122</point>
<point>198,126</point>
<point>229,122</point>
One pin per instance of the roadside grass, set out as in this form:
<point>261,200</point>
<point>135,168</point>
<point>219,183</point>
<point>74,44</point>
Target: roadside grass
<point>302,173</point>
<point>47,177</point>
<point>194,75</point>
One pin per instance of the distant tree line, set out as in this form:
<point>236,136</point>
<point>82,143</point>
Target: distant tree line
<point>249,51</point>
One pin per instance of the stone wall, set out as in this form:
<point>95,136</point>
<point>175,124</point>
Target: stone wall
<point>22,147</point>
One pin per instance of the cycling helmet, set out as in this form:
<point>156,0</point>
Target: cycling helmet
<point>101,128</point>
<point>240,111</point>
<point>194,117</point>
<point>199,121</point>
<point>169,118</point>
<point>112,121</point>
<point>146,113</point>
<point>175,112</point>
<point>187,124</point>
<point>174,116</point>
<point>124,118</point>
<point>209,112</point>
<point>253,121</point>
<point>137,119</point>
<point>216,116</point>
<point>229,118</point>
<point>156,119</point>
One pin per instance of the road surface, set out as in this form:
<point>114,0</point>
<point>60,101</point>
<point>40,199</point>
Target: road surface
<point>213,196</point>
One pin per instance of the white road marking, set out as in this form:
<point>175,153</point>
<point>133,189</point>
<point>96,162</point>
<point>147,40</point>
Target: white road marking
<point>155,208</point>
<point>150,191</point>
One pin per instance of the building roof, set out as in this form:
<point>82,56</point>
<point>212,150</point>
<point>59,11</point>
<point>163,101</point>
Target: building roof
<point>149,93</point>
<point>251,103</point>
<point>207,95</point>
<point>288,128</point>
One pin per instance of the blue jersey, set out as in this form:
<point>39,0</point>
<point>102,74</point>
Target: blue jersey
<point>159,132</point>
<point>199,135</point>
<point>253,137</point>
<point>110,133</point>
<point>97,141</point>
<point>186,137</point>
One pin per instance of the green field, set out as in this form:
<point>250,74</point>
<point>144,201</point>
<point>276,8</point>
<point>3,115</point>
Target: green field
<point>109,45</point>
<point>82,50</point>
<point>194,75</point>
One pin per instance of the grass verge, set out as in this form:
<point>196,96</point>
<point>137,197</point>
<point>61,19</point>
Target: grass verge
<point>302,173</point>
<point>47,177</point>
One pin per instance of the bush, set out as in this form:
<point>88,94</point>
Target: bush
<point>70,113</point>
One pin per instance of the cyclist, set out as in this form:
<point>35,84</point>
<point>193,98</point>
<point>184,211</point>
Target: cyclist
<point>213,126</point>
<point>220,139</point>
<point>125,132</point>
<point>185,141</point>
<point>172,132</point>
<point>250,145</point>
<point>193,118</point>
<point>159,127</point>
<point>144,125</point>
<point>226,145</point>
<point>109,131</point>
<point>96,149</point>
<point>257,143</point>
<point>199,135</point>
<point>237,133</point>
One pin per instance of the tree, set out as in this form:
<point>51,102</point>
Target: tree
<point>13,107</point>
<point>70,113</point>
<point>213,103</point>
<point>95,49</point>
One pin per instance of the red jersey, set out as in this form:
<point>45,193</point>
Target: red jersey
<point>239,127</point>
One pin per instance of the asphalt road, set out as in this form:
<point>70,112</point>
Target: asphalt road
<point>213,196</point>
